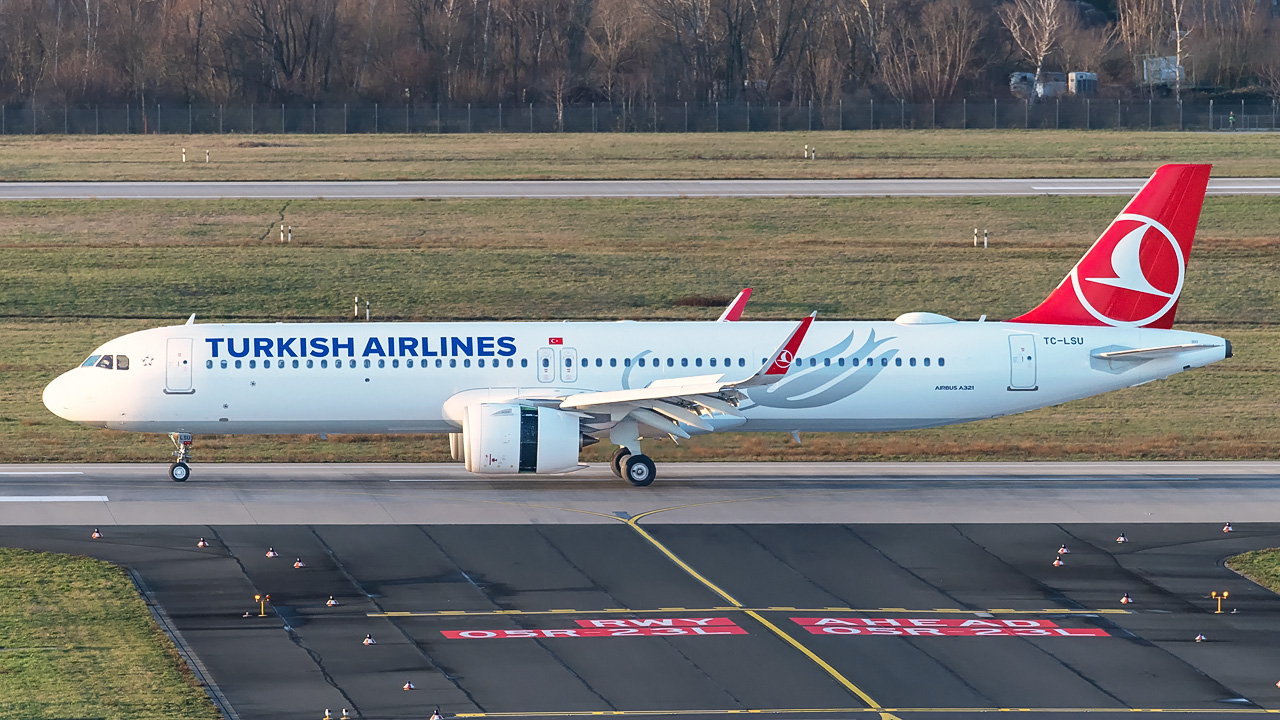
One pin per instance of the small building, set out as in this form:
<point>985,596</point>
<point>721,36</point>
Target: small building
<point>1051,84</point>
<point>1162,70</point>
<point>1022,84</point>
<point>1082,83</point>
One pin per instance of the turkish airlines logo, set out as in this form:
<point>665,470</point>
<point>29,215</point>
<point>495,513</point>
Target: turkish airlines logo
<point>784,359</point>
<point>1138,280</point>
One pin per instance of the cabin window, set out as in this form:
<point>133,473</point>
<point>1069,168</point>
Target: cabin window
<point>697,362</point>
<point>524,362</point>
<point>511,363</point>
<point>223,364</point>
<point>585,362</point>
<point>395,363</point>
<point>742,362</point>
<point>626,362</point>
<point>942,362</point>
<point>466,362</point>
<point>671,362</point>
<point>546,362</point>
<point>640,362</point>
<point>253,364</point>
<point>884,362</point>
<point>453,362</point>
<point>613,362</point>
<point>310,363</point>
<point>826,362</point>
<point>854,361</point>
<point>897,362</point>
<point>711,362</point>
<point>684,362</point>
<point>599,362</point>
<point>841,362</point>
<point>237,364</point>
<point>568,362</point>
<point>408,363</point>
<point>913,362</point>
<point>208,364</point>
<point>926,362</point>
<point>439,363</point>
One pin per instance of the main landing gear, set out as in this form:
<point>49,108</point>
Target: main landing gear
<point>179,470</point>
<point>637,469</point>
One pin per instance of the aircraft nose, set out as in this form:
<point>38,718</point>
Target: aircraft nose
<point>61,396</point>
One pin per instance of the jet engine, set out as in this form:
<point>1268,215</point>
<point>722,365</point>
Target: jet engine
<point>507,439</point>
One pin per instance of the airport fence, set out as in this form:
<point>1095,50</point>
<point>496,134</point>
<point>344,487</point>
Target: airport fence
<point>990,113</point>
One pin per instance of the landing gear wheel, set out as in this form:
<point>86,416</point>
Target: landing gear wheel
<point>179,472</point>
<point>615,462</point>
<point>639,470</point>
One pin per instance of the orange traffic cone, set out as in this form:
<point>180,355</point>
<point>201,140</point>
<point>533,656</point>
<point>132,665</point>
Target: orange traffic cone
<point>437,716</point>
<point>368,640</point>
<point>327,716</point>
<point>298,563</point>
<point>344,713</point>
<point>1062,550</point>
<point>96,535</point>
<point>202,544</point>
<point>408,686</point>
<point>1126,599</point>
<point>331,602</point>
<point>1057,562</point>
<point>271,552</point>
<point>1226,528</point>
<point>1122,539</point>
<point>1199,637</point>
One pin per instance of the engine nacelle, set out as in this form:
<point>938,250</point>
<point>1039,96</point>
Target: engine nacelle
<point>457,447</point>
<point>507,439</point>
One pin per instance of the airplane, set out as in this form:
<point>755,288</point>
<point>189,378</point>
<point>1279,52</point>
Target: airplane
<point>526,397</point>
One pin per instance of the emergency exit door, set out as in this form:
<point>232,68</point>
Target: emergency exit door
<point>1022,362</point>
<point>177,373</point>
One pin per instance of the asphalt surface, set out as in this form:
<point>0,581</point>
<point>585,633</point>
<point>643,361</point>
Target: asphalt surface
<point>407,586</point>
<point>961,187</point>
<point>281,494</point>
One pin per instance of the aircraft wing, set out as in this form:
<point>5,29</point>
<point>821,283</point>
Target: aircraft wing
<point>734,311</point>
<point>667,404</point>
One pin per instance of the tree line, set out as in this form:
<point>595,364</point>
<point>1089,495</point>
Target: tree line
<point>87,52</point>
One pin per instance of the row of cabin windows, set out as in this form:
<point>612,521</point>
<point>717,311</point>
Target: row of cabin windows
<point>742,362</point>
<point>122,362</point>
<point>119,362</point>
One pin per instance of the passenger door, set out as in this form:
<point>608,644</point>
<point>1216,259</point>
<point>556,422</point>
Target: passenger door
<point>546,365</point>
<point>1022,362</point>
<point>177,372</point>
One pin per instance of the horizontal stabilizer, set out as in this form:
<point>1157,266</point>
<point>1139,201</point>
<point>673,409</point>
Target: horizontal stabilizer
<point>1151,352</point>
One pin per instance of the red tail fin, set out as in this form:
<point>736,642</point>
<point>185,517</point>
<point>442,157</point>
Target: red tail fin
<point>1133,274</point>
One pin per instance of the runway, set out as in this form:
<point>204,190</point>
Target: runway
<point>430,189</point>
<point>878,590</point>
<point>441,494</point>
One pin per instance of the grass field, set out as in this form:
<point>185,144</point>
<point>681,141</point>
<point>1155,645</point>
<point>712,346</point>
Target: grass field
<point>76,641</point>
<point>73,274</point>
<point>1260,566</point>
<point>913,153</point>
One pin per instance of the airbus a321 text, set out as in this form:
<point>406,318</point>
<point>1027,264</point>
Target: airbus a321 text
<point>525,397</point>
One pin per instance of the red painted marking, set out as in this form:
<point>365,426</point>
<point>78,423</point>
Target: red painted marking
<point>942,627</point>
<point>555,341</point>
<point>657,622</point>
<point>591,632</point>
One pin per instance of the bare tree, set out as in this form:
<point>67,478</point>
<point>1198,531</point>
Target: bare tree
<point>1084,47</point>
<point>946,44</point>
<point>1034,25</point>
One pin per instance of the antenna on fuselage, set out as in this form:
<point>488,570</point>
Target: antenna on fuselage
<point>191,320</point>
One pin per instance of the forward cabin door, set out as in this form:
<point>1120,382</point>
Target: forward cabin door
<point>177,371</point>
<point>1022,362</point>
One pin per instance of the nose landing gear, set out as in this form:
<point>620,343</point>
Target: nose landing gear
<point>179,470</point>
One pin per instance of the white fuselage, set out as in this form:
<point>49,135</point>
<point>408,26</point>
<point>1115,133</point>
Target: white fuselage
<point>417,377</point>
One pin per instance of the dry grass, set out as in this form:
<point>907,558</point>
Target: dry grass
<point>917,153</point>
<point>78,642</point>
<point>1260,566</point>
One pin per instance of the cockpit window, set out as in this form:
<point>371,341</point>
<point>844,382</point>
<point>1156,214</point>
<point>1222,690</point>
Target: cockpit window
<point>93,360</point>
<point>105,362</point>
<point>122,362</point>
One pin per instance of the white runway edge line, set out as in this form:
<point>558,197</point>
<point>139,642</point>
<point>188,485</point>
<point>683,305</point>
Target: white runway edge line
<point>47,472</point>
<point>52,498</point>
